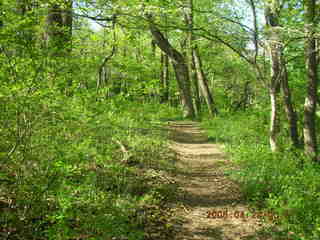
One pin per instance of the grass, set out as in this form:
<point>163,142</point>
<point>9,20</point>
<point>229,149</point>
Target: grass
<point>272,182</point>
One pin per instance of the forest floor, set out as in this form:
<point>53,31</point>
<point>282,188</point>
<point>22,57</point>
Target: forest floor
<point>209,204</point>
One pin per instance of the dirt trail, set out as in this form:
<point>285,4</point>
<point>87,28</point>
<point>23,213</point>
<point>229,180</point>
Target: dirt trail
<point>205,190</point>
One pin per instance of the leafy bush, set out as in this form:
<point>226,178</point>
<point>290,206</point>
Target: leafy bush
<point>66,178</point>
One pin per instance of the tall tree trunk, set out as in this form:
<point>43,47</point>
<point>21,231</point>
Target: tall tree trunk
<point>274,43</point>
<point>289,108</point>
<point>274,119</point>
<point>309,129</point>
<point>193,75</point>
<point>203,83</point>
<point>180,67</point>
<point>161,76</point>
<point>164,78</point>
<point>279,77</point>
<point>188,15</point>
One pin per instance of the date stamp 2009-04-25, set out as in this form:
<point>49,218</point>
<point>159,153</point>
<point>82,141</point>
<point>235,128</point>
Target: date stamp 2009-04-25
<point>226,213</point>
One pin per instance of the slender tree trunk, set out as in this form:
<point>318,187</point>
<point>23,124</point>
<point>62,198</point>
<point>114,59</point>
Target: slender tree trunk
<point>309,129</point>
<point>274,120</point>
<point>165,72</point>
<point>161,76</point>
<point>274,99</point>
<point>193,75</point>
<point>164,78</point>
<point>279,77</point>
<point>188,15</point>
<point>181,72</point>
<point>203,83</point>
<point>274,43</point>
<point>180,67</point>
<point>289,108</point>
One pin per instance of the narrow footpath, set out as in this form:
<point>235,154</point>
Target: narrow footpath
<point>210,204</point>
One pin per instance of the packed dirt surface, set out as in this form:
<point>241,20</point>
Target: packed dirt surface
<point>211,205</point>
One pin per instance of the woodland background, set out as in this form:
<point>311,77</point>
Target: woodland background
<point>87,86</point>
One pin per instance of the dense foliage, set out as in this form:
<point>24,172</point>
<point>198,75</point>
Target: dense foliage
<point>86,87</point>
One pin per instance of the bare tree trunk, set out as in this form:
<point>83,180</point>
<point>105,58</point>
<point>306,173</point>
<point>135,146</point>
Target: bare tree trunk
<point>165,71</point>
<point>275,47</point>
<point>309,129</point>
<point>274,120</point>
<point>274,95</point>
<point>161,76</point>
<point>289,108</point>
<point>203,83</point>
<point>181,72</point>
<point>180,67</point>
<point>193,75</point>
<point>279,76</point>
<point>188,15</point>
<point>164,78</point>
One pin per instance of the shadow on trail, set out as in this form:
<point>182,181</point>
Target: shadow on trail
<point>201,173</point>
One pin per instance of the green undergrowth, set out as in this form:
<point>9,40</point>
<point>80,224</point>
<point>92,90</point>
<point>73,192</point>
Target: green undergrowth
<point>284,184</point>
<point>85,170</point>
